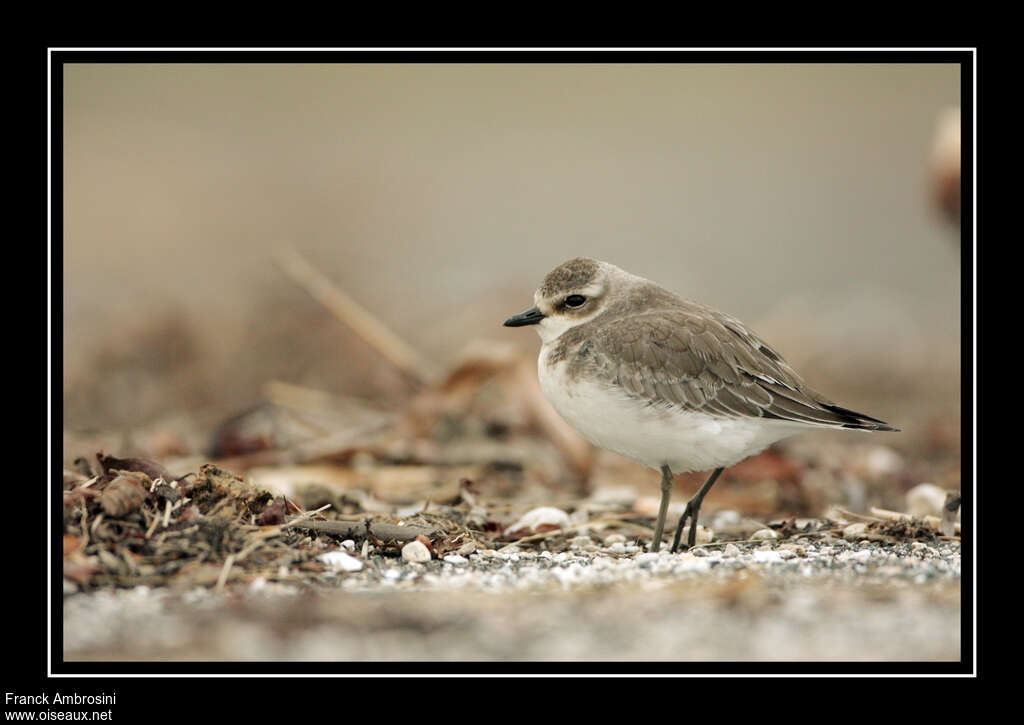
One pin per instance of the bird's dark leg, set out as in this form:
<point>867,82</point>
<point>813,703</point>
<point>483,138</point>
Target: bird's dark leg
<point>692,509</point>
<point>666,494</point>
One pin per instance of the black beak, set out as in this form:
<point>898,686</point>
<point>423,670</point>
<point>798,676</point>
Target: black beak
<point>531,317</point>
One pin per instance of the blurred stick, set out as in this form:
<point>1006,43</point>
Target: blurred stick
<point>374,332</point>
<point>302,398</point>
<point>933,521</point>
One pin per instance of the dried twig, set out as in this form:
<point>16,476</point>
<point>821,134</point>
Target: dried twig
<point>228,563</point>
<point>839,514</point>
<point>304,515</point>
<point>394,349</point>
<point>359,529</point>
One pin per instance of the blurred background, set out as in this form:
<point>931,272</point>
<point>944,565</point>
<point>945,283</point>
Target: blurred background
<point>800,198</point>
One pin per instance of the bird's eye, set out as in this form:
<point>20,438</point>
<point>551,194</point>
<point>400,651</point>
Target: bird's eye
<point>575,300</point>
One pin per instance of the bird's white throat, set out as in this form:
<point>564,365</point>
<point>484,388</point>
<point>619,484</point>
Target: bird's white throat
<point>553,327</point>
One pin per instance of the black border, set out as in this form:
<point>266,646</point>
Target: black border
<point>59,58</point>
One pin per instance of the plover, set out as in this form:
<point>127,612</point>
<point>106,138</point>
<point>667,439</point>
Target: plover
<point>672,384</point>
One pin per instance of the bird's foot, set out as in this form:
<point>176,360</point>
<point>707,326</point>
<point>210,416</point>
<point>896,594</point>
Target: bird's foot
<point>690,512</point>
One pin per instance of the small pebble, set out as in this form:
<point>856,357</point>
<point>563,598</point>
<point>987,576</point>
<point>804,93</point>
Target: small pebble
<point>764,534</point>
<point>456,559</point>
<point>731,550</point>
<point>615,539</point>
<point>415,552</point>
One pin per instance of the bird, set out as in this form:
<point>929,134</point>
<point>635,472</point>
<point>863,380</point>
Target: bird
<point>672,384</point>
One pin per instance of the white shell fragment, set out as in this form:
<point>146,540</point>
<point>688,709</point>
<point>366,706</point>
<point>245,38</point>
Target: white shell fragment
<point>341,560</point>
<point>540,516</point>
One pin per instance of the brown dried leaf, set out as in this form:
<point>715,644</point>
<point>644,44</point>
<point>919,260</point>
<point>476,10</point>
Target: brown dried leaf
<point>122,496</point>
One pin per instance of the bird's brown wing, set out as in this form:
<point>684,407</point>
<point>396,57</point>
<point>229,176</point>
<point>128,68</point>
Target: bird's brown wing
<point>698,359</point>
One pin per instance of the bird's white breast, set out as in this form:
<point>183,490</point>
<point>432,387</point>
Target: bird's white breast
<point>651,434</point>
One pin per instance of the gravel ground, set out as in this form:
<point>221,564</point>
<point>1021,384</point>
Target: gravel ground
<point>600,600</point>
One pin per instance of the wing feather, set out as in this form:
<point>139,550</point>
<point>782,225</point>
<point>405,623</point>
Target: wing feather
<point>697,359</point>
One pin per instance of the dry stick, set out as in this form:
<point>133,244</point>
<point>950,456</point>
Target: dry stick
<point>85,528</point>
<point>358,529</point>
<point>167,513</point>
<point>302,398</point>
<point>355,316</point>
<point>846,515</point>
<point>228,563</point>
<point>305,515</point>
<point>152,526</point>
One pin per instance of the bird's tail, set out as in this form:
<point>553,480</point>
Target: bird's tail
<point>858,421</point>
